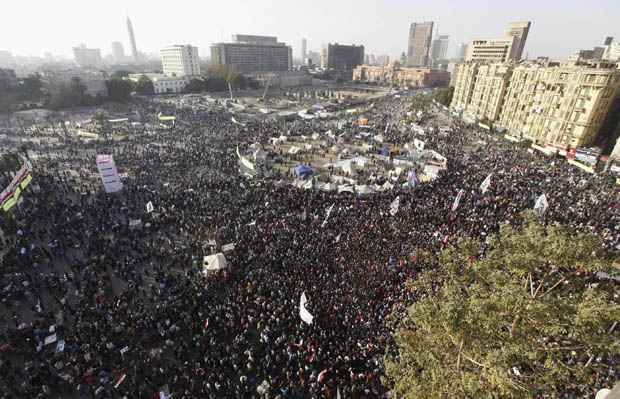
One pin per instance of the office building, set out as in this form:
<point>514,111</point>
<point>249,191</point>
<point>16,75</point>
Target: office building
<point>520,31</point>
<point>304,50</point>
<point>344,58</point>
<point>560,106</point>
<point>248,53</point>
<point>612,52</point>
<point>507,48</point>
<point>132,41</point>
<point>180,60</point>
<point>118,53</point>
<point>439,50</point>
<point>87,57</point>
<point>395,75</point>
<point>491,50</point>
<point>420,36</point>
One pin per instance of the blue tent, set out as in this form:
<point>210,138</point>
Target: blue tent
<point>385,152</point>
<point>303,171</point>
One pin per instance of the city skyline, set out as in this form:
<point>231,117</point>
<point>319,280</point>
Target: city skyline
<point>382,27</point>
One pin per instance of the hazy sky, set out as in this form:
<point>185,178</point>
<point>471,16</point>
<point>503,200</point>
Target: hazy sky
<point>31,27</point>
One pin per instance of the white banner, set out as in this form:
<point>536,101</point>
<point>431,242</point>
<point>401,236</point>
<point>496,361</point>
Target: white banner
<point>303,312</point>
<point>228,247</point>
<point>109,174</point>
<point>457,200</point>
<point>486,184</point>
<point>394,206</point>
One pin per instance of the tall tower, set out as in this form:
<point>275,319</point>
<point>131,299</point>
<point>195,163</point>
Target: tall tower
<point>132,40</point>
<point>420,36</point>
<point>304,50</point>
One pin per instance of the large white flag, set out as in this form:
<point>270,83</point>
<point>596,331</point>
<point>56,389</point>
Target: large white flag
<point>329,212</point>
<point>457,200</point>
<point>485,184</point>
<point>394,207</point>
<point>149,207</point>
<point>541,205</point>
<point>303,312</point>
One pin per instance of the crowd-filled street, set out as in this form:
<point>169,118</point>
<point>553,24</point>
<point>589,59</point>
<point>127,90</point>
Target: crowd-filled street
<point>104,298</point>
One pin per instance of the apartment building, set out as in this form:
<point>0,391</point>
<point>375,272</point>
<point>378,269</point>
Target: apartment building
<point>561,106</point>
<point>180,60</point>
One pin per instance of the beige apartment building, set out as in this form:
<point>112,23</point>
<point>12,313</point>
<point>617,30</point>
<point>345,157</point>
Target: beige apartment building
<point>464,79</point>
<point>561,106</point>
<point>488,92</point>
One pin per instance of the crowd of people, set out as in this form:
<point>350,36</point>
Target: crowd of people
<point>95,308</point>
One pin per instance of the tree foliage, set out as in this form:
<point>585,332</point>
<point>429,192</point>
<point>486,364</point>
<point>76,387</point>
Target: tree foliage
<point>444,96</point>
<point>119,90</point>
<point>527,319</point>
<point>144,85</point>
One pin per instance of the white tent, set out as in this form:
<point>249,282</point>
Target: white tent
<point>214,262</point>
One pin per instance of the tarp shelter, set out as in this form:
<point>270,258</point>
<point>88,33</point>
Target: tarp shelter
<point>214,262</point>
<point>303,171</point>
<point>385,152</point>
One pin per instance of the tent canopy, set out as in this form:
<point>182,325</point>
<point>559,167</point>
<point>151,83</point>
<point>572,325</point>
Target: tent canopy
<point>385,152</point>
<point>214,262</point>
<point>303,171</point>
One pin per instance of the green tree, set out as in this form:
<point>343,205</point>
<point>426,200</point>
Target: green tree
<point>30,88</point>
<point>195,86</point>
<point>120,74</point>
<point>119,90</point>
<point>523,321</point>
<point>144,85</point>
<point>444,96</point>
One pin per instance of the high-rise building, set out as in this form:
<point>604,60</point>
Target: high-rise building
<point>344,58</point>
<point>304,50</point>
<point>180,60</point>
<point>314,57</point>
<point>87,57</point>
<point>439,49</point>
<point>420,36</point>
<point>612,52</point>
<point>132,41</point>
<point>491,50</point>
<point>518,30</point>
<point>248,53</point>
<point>560,106</point>
<point>118,53</point>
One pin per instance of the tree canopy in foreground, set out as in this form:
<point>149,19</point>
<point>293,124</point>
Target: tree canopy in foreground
<point>527,319</point>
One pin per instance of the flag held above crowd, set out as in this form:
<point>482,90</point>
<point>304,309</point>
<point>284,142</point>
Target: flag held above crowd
<point>486,184</point>
<point>303,312</point>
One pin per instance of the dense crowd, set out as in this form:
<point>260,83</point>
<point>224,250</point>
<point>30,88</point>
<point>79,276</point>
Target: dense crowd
<point>134,316</point>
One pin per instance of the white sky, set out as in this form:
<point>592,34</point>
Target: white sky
<point>32,27</point>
